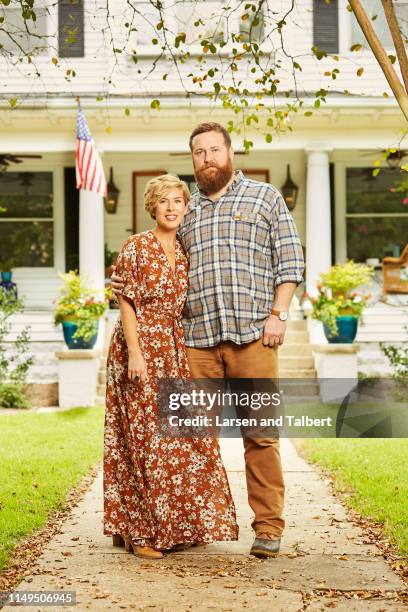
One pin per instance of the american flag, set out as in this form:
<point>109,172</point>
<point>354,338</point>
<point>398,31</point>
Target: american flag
<point>89,168</point>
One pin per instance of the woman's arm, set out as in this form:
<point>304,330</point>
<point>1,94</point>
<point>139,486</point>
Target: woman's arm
<point>136,363</point>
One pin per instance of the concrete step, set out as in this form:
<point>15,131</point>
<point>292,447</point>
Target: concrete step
<point>299,389</point>
<point>301,400</point>
<point>296,325</point>
<point>297,373</point>
<point>293,362</point>
<point>296,337</point>
<point>293,349</point>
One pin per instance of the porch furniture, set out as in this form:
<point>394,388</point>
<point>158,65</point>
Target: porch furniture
<point>395,273</point>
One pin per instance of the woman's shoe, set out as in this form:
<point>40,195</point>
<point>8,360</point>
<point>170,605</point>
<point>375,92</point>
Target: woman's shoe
<point>146,552</point>
<point>117,540</point>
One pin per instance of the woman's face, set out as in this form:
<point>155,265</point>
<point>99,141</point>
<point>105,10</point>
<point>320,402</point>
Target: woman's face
<point>170,209</point>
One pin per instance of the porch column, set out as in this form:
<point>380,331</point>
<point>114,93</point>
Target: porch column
<point>91,239</point>
<point>318,226</point>
<point>91,248</point>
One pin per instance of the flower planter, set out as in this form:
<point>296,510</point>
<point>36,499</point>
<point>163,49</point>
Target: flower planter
<point>6,276</point>
<point>69,328</point>
<point>347,326</point>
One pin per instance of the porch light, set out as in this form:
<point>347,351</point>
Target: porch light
<point>111,201</point>
<point>289,190</point>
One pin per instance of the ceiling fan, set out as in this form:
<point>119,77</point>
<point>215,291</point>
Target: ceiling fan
<point>6,159</point>
<point>188,153</point>
<point>393,159</point>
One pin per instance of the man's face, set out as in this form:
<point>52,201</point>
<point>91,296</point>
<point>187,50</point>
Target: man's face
<point>212,161</point>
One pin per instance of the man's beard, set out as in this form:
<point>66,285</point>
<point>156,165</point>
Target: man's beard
<point>214,181</point>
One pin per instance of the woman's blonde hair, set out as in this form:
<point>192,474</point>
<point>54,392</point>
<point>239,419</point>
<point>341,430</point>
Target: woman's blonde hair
<point>159,186</point>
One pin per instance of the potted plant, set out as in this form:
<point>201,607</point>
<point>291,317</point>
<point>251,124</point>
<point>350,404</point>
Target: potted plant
<point>6,266</point>
<point>338,306</point>
<point>79,312</point>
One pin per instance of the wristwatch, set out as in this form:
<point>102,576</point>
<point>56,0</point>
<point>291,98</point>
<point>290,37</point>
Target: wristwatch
<point>281,314</point>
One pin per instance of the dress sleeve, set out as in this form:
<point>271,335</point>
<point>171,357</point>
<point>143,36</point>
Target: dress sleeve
<point>127,268</point>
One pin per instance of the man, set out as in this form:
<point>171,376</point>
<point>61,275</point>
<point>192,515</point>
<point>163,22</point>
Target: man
<point>245,261</point>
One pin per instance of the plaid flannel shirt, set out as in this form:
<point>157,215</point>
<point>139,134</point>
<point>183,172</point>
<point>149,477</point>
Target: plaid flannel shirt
<point>239,249</point>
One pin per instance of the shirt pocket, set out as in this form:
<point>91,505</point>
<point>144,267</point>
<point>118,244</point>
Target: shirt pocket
<point>253,229</point>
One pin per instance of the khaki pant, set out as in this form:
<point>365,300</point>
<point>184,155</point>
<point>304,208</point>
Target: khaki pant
<point>266,487</point>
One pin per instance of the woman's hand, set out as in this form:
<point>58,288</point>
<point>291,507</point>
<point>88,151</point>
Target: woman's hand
<point>116,281</point>
<point>137,367</point>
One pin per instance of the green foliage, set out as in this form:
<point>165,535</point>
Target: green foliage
<point>110,256</point>
<point>342,278</point>
<point>398,358</point>
<point>335,296</point>
<point>238,54</point>
<point>14,362</point>
<point>6,265</point>
<point>13,396</point>
<point>78,304</point>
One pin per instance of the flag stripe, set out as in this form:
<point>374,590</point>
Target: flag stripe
<point>88,165</point>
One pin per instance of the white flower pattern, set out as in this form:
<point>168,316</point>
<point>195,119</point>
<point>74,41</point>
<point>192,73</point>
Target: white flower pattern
<point>158,491</point>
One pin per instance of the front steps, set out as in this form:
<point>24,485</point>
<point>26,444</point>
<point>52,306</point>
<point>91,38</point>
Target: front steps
<point>295,362</point>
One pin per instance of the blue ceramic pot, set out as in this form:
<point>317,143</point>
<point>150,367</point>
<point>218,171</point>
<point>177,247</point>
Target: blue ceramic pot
<point>69,328</point>
<point>347,326</point>
<point>6,276</point>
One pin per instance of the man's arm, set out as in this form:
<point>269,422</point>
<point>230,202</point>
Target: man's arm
<point>274,330</point>
<point>288,266</point>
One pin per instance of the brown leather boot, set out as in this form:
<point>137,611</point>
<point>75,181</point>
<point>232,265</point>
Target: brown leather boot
<point>146,552</point>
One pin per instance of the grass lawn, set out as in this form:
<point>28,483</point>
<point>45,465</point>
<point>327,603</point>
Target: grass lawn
<point>42,457</point>
<point>374,472</point>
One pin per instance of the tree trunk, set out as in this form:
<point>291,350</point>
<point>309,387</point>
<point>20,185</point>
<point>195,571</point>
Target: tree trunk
<point>381,56</point>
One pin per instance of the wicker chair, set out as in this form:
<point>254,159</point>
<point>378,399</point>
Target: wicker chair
<point>395,273</point>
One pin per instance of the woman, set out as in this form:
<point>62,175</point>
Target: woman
<point>159,493</point>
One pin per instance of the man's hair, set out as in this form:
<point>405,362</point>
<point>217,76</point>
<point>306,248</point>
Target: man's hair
<point>210,127</point>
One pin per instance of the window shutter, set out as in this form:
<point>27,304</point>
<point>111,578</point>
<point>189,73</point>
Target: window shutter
<point>326,26</point>
<point>71,28</point>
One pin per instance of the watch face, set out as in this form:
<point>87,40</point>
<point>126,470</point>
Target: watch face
<point>283,315</point>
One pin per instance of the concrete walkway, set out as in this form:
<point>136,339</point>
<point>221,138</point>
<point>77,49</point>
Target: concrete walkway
<point>325,561</point>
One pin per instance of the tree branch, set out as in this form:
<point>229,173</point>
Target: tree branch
<point>397,39</point>
<point>381,56</point>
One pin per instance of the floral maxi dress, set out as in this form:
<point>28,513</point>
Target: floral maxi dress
<point>157,491</point>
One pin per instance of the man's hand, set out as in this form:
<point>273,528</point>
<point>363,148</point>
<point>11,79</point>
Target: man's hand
<point>274,331</point>
<point>117,282</point>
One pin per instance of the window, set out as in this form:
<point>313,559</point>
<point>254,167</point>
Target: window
<point>326,26</point>
<point>71,28</point>
<point>25,37</point>
<point>26,218</point>
<point>376,13</point>
<point>376,218</point>
<point>197,19</point>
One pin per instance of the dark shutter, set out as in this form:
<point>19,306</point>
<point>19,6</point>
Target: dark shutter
<point>326,26</point>
<point>71,28</point>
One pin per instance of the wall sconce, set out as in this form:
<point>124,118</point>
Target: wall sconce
<point>289,190</point>
<point>111,201</point>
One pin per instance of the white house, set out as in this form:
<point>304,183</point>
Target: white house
<point>341,210</point>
